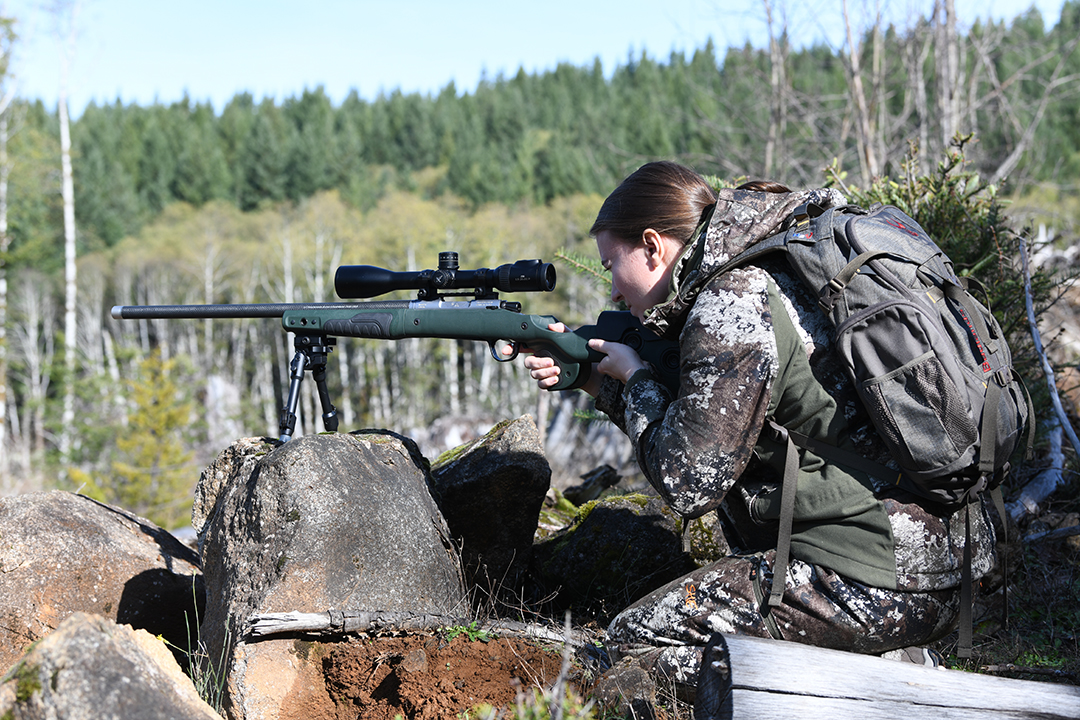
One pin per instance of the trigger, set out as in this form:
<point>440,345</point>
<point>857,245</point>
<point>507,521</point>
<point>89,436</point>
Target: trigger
<point>497,346</point>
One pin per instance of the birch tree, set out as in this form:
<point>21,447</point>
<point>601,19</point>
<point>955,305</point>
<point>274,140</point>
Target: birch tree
<point>947,59</point>
<point>866,135</point>
<point>778,85</point>
<point>67,15</point>
<point>7,93</point>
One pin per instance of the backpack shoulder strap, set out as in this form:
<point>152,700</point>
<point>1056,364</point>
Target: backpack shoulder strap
<point>767,246</point>
<point>799,219</point>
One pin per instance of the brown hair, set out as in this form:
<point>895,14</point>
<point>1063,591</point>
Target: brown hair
<point>768,186</point>
<point>665,196</point>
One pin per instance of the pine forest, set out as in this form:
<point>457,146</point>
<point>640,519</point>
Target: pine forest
<point>261,200</point>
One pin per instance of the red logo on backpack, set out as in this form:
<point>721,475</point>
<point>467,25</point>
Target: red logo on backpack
<point>893,222</point>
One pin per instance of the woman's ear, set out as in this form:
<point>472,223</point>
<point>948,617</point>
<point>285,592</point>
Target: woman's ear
<point>657,248</point>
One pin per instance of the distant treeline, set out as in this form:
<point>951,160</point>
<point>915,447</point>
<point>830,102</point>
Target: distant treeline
<point>779,112</point>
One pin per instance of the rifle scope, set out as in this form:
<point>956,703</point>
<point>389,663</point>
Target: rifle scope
<point>366,281</point>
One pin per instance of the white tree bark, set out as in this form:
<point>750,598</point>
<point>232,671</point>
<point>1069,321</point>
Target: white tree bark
<point>864,130</point>
<point>947,59</point>
<point>916,62</point>
<point>1046,482</point>
<point>34,341</point>
<point>5,242</point>
<point>67,431</point>
<point>452,387</point>
<point>778,90</point>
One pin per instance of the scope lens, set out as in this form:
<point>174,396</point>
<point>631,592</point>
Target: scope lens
<point>526,276</point>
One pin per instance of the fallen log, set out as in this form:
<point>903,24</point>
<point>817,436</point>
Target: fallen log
<point>780,680</point>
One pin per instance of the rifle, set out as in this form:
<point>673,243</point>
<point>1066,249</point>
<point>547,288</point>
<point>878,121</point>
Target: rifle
<point>434,314</point>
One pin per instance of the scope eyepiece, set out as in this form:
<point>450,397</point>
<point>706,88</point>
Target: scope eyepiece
<point>366,281</point>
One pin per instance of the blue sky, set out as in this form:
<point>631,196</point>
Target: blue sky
<point>145,50</point>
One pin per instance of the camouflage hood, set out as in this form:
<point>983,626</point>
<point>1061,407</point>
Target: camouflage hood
<point>739,219</point>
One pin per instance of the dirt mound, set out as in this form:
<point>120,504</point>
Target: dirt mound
<point>431,678</point>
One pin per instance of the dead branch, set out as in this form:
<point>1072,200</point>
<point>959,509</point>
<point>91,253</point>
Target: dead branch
<point>337,622</point>
<point>1048,370</point>
<point>1027,134</point>
<point>1057,534</point>
<point>1045,482</point>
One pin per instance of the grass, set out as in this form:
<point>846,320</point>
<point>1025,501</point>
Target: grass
<point>1041,638</point>
<point>206,673</point>
<point>472,631</point>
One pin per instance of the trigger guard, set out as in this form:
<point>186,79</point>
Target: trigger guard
<point>496,350</point>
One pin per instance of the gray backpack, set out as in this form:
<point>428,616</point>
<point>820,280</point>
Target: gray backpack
<point>928,361</point>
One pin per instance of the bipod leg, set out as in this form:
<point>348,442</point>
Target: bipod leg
<point>287,422</point>
<point>311,352</point>
<point>318,374</point>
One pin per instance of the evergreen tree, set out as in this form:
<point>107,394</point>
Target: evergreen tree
<point>202,172</point>
<point>308,167</point>
<point>157,162</point>
<point>152,474</point>
<point>108,206</point>
<point>261,161</point>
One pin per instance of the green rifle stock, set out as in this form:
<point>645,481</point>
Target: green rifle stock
<point>490,322</point>
<point>316,326</point>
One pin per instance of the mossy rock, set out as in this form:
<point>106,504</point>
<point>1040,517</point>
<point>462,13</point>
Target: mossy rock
<point>617,550</point>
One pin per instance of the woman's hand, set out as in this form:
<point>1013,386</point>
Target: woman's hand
<point>545,372</point>
<point>620,361</point>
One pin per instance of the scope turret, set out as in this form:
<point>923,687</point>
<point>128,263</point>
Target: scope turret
<point>366,281</point>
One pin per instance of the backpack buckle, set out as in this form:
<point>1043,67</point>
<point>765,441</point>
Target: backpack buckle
<point>806,211</point>
<point>832,290</point>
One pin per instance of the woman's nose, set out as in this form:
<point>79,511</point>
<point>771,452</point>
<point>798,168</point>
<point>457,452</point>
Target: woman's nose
<point>616,296</point>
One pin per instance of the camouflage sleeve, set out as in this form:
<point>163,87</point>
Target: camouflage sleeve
<point>693,448</point>
<point>610,401</point>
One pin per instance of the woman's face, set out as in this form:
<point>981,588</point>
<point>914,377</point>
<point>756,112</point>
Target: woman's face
<point>640,273</point>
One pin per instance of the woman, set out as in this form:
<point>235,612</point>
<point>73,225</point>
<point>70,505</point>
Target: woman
<point>871,570</point>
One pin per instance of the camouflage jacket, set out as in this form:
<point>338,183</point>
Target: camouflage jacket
<point>753,345</point>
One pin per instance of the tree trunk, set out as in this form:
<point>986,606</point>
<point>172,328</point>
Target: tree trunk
<point>34,340</point>
<point>346,412</point>
<point>5,242</point>
<point>880,125</point>
<point>67,430</point>
<point>116,387</point>
<point>778,92</point>
<point>947,57</point>
<point>264,382</point>
<point>916,64</point>
<point>864,132</point>
<point>452,387</point>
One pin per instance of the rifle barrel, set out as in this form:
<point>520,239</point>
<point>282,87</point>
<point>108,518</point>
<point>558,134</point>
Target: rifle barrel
<point>204,312</point>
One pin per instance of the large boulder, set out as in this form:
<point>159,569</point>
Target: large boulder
<point>90,667</point>
<point>490,491</point>
<point>615,551</point>
<point>62,553</point>
<point>323,522</point>
<point>237,460</point>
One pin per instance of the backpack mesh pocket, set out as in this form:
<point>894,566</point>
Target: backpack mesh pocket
<point>911,406</point>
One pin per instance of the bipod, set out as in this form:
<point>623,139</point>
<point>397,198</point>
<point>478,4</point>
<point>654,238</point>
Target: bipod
<point>311,352</point>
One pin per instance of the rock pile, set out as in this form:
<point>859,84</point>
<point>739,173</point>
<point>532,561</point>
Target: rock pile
<point>322,524</point>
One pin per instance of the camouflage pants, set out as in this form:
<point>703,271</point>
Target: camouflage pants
<point>668,628</point>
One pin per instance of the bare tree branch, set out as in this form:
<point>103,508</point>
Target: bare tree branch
<point>864,135</point>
